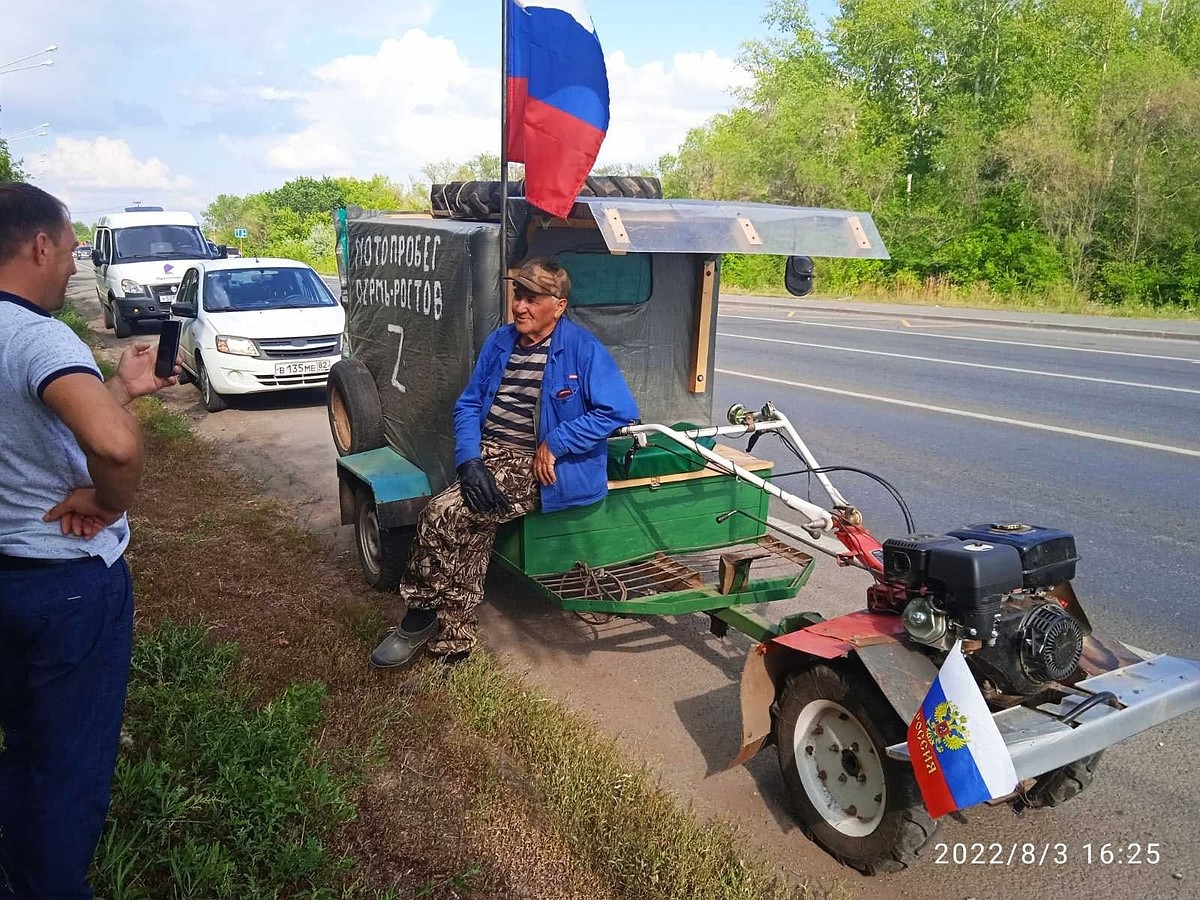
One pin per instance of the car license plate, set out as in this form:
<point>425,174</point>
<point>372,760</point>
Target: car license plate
<point>310,367</point>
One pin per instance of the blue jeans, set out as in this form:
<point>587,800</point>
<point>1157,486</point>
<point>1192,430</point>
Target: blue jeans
<point>66,634</point>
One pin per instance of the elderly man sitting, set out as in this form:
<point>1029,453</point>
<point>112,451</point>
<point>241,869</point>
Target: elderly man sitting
<point>530,431</point>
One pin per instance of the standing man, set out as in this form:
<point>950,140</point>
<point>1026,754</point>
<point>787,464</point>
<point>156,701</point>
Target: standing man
<point>530,430</point>
<point>70,459</point>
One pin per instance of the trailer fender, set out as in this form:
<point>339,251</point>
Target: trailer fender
<point>900,669</point>
<point>401,490</point>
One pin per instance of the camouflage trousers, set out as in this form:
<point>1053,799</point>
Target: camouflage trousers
<point>453,544</point>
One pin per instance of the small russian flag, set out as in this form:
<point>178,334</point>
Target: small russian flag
<point>958,754</point>
<point>557,87</point>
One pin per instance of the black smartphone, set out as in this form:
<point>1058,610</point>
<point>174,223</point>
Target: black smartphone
<point>168,348</point>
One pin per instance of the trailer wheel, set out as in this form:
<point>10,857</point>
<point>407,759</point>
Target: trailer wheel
<point>1065,783</point>
<point>382,552</point>
<point>832,731</point>
<point>355,413</point>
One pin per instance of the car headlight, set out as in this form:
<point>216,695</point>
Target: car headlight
<point>236,345</point>
<point>129,287</point>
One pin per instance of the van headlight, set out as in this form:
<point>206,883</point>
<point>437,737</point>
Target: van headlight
<point>236,346</point>
<point>129,287</point>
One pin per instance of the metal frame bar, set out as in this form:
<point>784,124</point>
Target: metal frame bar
<point>820,519</point>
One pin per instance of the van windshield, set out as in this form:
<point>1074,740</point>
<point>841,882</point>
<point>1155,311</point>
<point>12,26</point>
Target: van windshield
<point>148,242</point>
<point>237,290</point>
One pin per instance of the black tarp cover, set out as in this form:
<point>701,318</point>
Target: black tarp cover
<point>422,294</point>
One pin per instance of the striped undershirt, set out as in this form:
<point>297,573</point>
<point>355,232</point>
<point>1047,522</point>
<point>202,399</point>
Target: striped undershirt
<point>510,420</point>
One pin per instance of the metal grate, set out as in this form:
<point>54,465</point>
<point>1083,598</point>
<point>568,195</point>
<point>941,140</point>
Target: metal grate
<point>314,379</point>
<point>784,561</point>
<point>299,347</point>
<point>660,574</point>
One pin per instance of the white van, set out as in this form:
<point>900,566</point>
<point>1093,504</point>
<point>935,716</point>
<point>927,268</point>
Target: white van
<point>140,256</point>
<point>255,325</point>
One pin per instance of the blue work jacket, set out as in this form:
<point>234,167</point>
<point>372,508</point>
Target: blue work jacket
<point>584,399</point>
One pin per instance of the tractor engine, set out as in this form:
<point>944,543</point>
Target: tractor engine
<point>989,586</point>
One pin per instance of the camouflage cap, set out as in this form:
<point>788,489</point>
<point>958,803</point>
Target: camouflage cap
<point>543,276</point>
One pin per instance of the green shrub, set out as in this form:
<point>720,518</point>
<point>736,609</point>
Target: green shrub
<point>218,799</point>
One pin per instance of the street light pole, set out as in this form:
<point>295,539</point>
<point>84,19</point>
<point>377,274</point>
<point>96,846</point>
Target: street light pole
<point>45,62</point>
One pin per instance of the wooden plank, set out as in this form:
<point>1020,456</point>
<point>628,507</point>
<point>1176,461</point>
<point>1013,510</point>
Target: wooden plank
<point>704,326</point>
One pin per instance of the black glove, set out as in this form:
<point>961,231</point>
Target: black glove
<point>479,488</point>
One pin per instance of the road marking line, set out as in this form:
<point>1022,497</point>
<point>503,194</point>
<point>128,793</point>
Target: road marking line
<point>983,417</point>
<point>960,337</point>
<point>970,365</point>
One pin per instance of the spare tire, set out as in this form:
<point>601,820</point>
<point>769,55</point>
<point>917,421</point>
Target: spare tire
<point>480,200</point>
<point>635,186</point>
<point>355,413</point>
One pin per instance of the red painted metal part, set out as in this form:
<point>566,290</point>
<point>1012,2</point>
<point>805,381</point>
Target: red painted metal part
<point>861,544</point>
<point>838,637</point>
<point>883,597</point>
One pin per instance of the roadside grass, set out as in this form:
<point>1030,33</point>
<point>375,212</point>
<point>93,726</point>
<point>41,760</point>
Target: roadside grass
<point>215,797</point>
<point>283,766</point>
<point>71,317</point>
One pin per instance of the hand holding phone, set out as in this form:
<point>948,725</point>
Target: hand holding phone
<point>168,348</point>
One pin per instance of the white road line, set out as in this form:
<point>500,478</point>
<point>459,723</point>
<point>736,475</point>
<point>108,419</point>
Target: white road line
<point>960,337</point>
<point>966,414</point>
<point>948,362</point>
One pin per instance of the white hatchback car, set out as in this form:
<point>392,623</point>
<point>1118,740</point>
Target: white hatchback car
<point>254,325</point>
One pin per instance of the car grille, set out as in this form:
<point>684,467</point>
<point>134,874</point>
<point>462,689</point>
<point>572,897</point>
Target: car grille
<point>316,379</point>
<point>299,348</point>
<point>164,293</point>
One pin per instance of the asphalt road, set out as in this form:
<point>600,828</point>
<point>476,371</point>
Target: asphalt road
<point>1063,445</point>
<point>1119,470</point>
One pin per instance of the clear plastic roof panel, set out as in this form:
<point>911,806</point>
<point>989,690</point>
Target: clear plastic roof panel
<point>713,226</point>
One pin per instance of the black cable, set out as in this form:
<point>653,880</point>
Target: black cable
<point>822,470</point>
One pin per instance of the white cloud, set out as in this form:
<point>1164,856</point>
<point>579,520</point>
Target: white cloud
<point>108,164</point>
<point>415,100</point>
<point>655,105</point>
<point>418,100</point>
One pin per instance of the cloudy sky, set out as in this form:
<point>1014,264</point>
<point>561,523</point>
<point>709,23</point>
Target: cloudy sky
<point>172,104</point>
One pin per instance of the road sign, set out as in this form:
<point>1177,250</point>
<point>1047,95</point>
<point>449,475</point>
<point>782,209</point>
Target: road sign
<point>240,233</point>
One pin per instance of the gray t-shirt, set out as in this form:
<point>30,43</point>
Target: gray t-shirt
<point>40,460</point>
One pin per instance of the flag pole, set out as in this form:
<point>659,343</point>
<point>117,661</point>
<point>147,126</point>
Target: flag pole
<point>503,141</point>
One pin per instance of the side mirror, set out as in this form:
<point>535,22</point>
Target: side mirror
<point>97,258</point>
<point>798,275</point>
<point>183,311</point>
<point>222,251</point>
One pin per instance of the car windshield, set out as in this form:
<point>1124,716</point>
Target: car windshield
<point>145,242</point>
<point>237,290</point>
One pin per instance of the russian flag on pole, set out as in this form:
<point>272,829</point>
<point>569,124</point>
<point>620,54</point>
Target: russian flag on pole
<point>957,752</point>
<point>557,89</point>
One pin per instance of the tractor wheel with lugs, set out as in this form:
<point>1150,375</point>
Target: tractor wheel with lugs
<point>832,732</point>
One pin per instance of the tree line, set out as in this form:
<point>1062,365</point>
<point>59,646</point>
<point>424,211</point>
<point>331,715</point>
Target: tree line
<point>1029,145</point>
